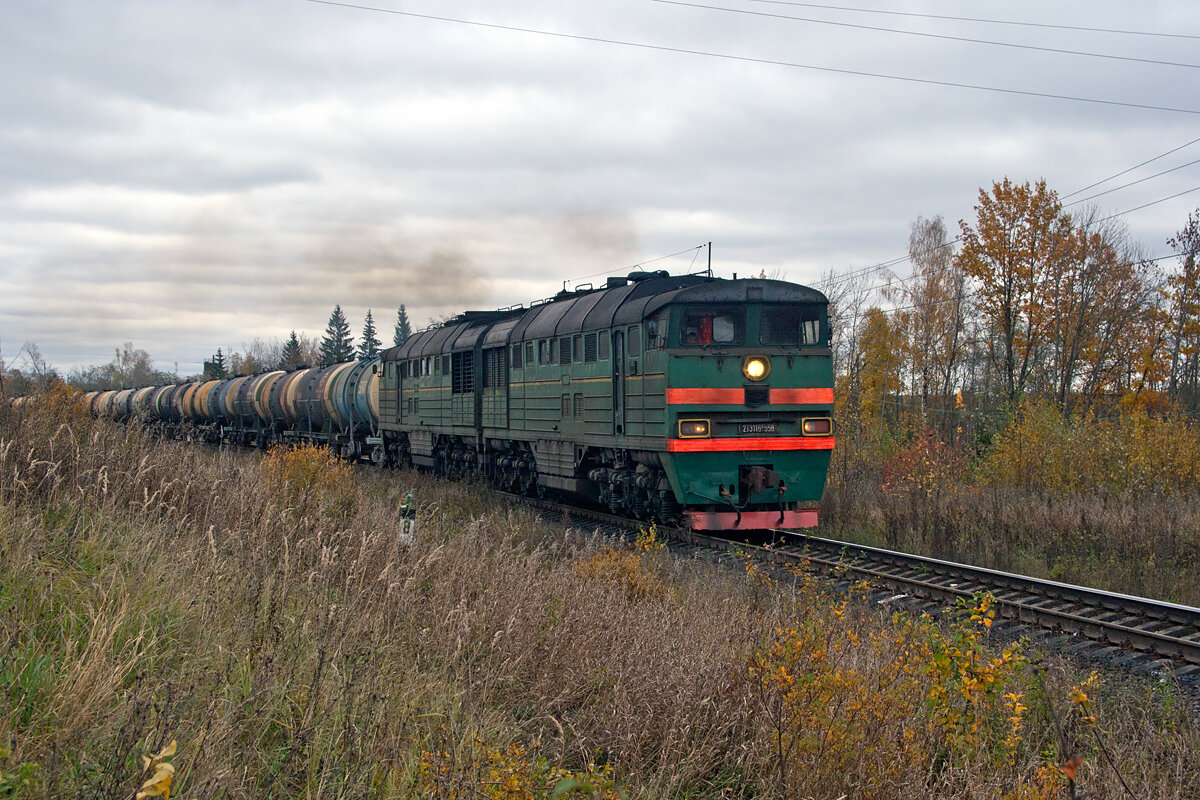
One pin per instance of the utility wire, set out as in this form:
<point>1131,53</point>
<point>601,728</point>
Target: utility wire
<point>969,293</point>
<point>756,60</point>
<point>1131,169</point>
<point>981,20</point>
<point>838,280</point>
<point>1132,183</point>
<point>640,264</point>
<point>945,37</point>
<point>843,277</point>
<point>725,56</point>
<point>1151,203</point>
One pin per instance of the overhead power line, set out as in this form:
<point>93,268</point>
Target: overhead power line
<point>694,250</point>
<point>1131,169</point>
<point>1151,203</point>
<point>1120,31</point>
<point>925,35</point>
<point>841,278</point>
<point>1131,183</point>
<point>967,294</point>
<point>756,60</point>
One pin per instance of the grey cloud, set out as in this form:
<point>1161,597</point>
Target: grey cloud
<point>207,171</point>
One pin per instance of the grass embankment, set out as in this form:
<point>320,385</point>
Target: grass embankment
<point>1108,503</point>
<point>263,614</point>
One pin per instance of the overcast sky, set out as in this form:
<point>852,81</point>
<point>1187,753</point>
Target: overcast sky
<point>191,174</point>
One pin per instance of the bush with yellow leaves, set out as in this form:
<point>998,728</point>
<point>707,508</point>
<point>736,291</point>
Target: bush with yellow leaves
<point>925,467</point>
<point>628,567</point>
<point>311,478</point>
<point>61,403</point>
<point>511,773</point>
<point>1133,454</point>
<point>865,712</point>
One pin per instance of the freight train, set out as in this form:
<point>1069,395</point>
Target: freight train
<point>686,398</point>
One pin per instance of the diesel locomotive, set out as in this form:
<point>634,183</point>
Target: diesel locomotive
<point>670,397</point>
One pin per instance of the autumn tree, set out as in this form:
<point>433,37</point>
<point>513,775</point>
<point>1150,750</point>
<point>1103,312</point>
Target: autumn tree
<point>882,356</point>
<point>310,348</point>
<point>258,356</point>
<point>1183,293</point>
<point>932,316</point>
<point>1020,237</point>
<point>849,297</point>
<point>28,373</point>
<point>130,366</point>
<point>337,346</point>
<point>370,345</point>
<point>1098,300</point>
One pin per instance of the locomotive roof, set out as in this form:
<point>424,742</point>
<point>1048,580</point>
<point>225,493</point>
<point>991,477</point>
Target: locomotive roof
<point>574,312</point>
<point>739,291</point>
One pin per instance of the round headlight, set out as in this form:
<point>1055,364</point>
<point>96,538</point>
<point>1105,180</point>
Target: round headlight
<point>756,367</point>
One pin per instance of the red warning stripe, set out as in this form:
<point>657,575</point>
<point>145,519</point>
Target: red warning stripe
<point>823,396</point>
<point>732,445</point>
<point>706,397</point>
<point>701,396</point>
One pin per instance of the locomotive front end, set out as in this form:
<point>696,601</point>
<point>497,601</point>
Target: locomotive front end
<point>749,404</point>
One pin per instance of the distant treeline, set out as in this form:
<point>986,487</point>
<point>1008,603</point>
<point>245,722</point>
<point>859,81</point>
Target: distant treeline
<point>28,371</point>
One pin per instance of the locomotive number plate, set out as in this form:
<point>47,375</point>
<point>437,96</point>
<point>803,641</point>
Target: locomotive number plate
<point>757,428</point>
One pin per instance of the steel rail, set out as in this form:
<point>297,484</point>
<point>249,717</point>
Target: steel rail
<point>1167,630</point>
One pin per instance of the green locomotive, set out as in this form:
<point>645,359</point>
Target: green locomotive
<point>656,395</point>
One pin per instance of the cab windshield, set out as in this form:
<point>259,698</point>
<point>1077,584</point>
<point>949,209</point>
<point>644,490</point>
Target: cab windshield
<point>712,325</point>
<point>790,325</point>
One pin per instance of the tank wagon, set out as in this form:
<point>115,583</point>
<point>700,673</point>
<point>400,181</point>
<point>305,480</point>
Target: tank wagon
<point>655,395</point>
<point>335,406</point>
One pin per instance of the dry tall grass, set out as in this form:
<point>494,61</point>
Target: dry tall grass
<point>1113,504</point>
<point>263,613</point>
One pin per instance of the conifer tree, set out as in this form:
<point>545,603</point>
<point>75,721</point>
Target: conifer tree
<point>337,346</point>
<point>292,357</point>
<point>403,327</point>
<point>370,345</point>
<point>215,370</point>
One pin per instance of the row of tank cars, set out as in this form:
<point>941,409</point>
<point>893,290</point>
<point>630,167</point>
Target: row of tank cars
<point>336,405</point>
<point>683,397</point>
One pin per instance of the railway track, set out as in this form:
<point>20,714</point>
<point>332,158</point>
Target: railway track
<point>1134,633</point>
<point>1147,634</point>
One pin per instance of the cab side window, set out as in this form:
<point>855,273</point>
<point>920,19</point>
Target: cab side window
<point>705,326</point>
<point>790,325</point>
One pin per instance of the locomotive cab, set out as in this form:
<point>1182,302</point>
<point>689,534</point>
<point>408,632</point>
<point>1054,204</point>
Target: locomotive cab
<point>749,394</point>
